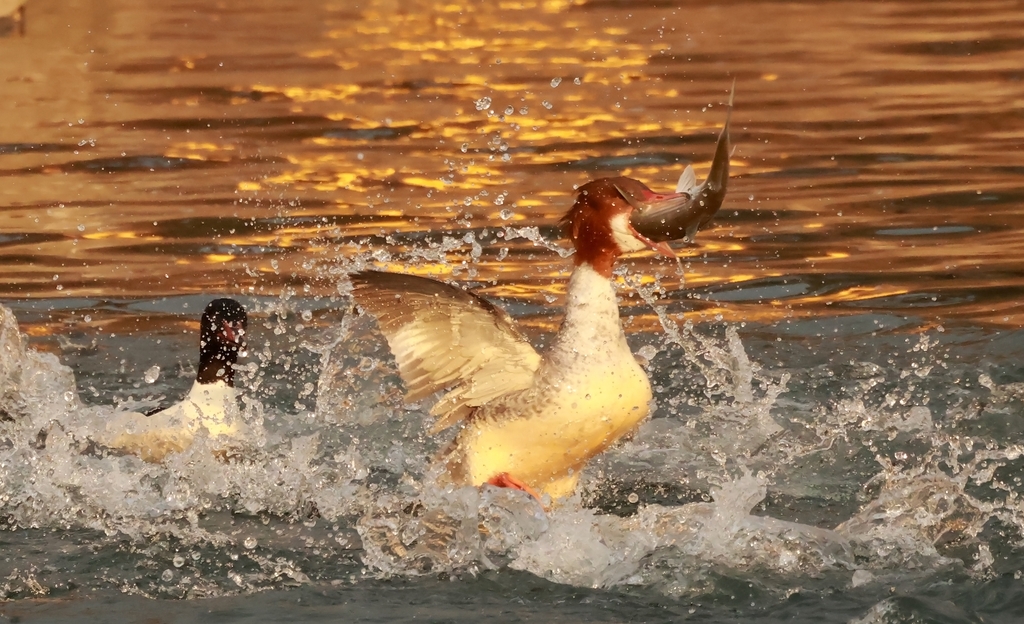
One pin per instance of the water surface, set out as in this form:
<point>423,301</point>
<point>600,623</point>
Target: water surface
<point>840,351</point>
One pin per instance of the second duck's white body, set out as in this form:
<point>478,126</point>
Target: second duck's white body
<point>208,409</point>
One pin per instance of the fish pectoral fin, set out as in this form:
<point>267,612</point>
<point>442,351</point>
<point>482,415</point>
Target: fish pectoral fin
<point>687,181</point>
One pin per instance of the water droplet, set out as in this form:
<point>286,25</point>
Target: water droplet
<point>647,352</point>
<point>167,576</point>
<point>81,227</point>
<point>178,561</point>
<point>152,374</point>
<point>483,103</point>
<point>69,396</point>
<point>506,214</point>
<point>577,81</point>
<point>555,82</point>
<point>250,543</point>
<point>509,110</point>
<point>464,148</point>
<point>546,104</point>
<point>633,498</point>
<point>307,315</point>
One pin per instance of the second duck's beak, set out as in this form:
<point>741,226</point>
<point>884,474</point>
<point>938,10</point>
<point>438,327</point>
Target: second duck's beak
<point>673,216</point>
<point>234,335</point>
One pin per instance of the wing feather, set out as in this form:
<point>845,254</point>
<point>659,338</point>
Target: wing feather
<point>444,337</point>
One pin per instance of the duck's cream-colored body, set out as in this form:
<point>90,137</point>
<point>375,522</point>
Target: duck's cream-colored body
<point>209,409</point>
<point>529,419</point>
<point>587,393</point>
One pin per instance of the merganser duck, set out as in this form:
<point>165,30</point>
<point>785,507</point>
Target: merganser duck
<point>210,405</point>
<point>533,420</point>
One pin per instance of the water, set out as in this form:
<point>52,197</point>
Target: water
<point>836,367</point>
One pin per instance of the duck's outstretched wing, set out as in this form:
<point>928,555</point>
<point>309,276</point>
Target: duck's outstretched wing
<point>446,337</point>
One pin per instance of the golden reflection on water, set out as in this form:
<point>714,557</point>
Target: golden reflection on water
<point>877,165</point>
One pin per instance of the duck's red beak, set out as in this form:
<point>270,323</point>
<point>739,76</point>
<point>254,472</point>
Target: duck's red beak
<point>233,334</point>
<point>229,331</point>
<point>658,246</point>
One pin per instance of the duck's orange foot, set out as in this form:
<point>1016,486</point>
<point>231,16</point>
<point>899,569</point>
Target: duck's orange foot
<point>506,480</point>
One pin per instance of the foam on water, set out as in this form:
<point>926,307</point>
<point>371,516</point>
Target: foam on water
<point>353,477</point>
<point>53,476</point>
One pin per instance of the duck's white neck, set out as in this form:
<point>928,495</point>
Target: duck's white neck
<point>591,323</point>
